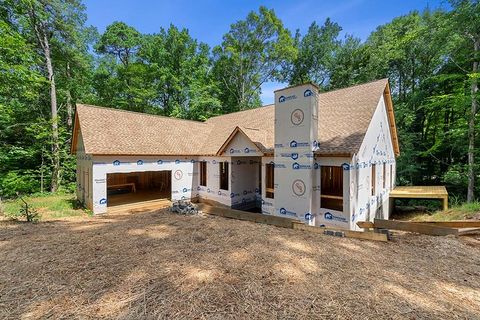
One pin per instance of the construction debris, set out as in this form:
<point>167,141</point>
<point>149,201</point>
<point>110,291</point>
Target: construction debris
<point>184,207</point>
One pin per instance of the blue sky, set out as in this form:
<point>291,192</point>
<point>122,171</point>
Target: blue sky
<point>208,20</point>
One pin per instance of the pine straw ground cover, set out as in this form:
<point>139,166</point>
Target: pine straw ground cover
<point>161,265</point>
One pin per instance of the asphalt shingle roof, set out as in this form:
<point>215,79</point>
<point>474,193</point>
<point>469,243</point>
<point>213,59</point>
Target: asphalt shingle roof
<point>344,117</point>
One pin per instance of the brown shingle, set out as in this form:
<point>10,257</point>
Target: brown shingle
<point>344,116</point>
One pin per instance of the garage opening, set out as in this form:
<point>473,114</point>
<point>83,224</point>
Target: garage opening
<point>136,187</point>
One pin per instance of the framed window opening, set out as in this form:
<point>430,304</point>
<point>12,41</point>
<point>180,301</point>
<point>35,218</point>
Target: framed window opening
<point>223,175</point>
<point>269,180</point>
<point>331,187</point>
<point>203,173</point>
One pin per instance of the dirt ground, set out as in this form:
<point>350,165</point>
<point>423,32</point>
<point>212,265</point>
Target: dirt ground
<point>160,265</point>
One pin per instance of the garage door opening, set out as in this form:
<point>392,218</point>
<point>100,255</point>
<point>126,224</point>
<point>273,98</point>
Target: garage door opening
<point>136,187</point>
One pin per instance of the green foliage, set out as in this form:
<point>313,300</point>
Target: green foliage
<point>316,54</point>
<point>18,182</point>
<point>119,40</point>
<point>49,205</point>
<point>252,52</point>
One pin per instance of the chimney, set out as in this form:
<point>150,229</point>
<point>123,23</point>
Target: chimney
<point>296,138</point>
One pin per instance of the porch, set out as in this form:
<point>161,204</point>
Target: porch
<point>421,192</point>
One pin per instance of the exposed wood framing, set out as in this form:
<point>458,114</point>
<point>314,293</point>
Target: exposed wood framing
<point>421,192</point>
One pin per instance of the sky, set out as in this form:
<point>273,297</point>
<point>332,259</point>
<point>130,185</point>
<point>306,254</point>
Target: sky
<point>209,20</point>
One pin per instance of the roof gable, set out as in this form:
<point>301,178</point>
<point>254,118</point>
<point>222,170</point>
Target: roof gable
<point>239,143</point>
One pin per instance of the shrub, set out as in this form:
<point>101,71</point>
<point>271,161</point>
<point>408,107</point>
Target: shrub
<point>27,212</point>
<point>14,182</point>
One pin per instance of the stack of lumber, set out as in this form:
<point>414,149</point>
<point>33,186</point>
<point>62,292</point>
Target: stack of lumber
<point>434,228</point>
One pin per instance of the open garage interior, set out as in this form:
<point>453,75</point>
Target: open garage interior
<point>138,187</point>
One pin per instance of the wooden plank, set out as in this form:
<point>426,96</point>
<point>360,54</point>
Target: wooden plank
<point>415,227</point>
<point>445,203</point>
<point>286,222</point>
<point>453,223</point>
<point>468,231</point>
<point>365,224</point>
<point>247,216</point>
<point>346,233</point>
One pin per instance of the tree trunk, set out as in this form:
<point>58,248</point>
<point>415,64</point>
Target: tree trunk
<point>471,128</point>
<point>41,33</point>
<point>54,113</point>
<point>69,101</point>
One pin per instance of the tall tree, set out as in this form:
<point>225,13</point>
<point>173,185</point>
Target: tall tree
<point>466,15</point>
<point>252,53</point>
<point>52,21</point>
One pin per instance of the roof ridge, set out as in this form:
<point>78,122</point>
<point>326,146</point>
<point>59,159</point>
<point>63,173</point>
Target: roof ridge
<point>140,113</point>
<point>354,86</point>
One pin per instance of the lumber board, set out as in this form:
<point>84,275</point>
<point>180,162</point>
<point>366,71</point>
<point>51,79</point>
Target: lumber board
<point>287,223</point>
<point>247,216</point>
<point>365,224</point>
<point>415,227</point>
<point>346,233</point>
<point>453,223</point>
<point>468,231</point>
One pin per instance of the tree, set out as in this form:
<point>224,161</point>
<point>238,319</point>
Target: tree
<point>179,74</point>
<point>350,64</point>
<point>119,40</point>
<point>52,21</point>
<point>466,15</point>
<point>123,82</point>
<point>251,53</point>
<point>316,54</point>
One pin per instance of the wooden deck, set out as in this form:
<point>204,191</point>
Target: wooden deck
<point>421,192</point>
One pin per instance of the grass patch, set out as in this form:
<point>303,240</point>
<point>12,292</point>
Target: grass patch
<point>50,206</point>
<point>460,212</point>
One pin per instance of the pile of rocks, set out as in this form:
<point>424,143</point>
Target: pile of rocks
<point>184,207</point>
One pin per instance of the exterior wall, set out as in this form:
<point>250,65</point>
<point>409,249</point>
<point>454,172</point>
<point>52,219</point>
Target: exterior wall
<point>84,173</point>
<point>184,175</point>
<point>296,138</point>
<point>376,149</point>
<point>212,191</point>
